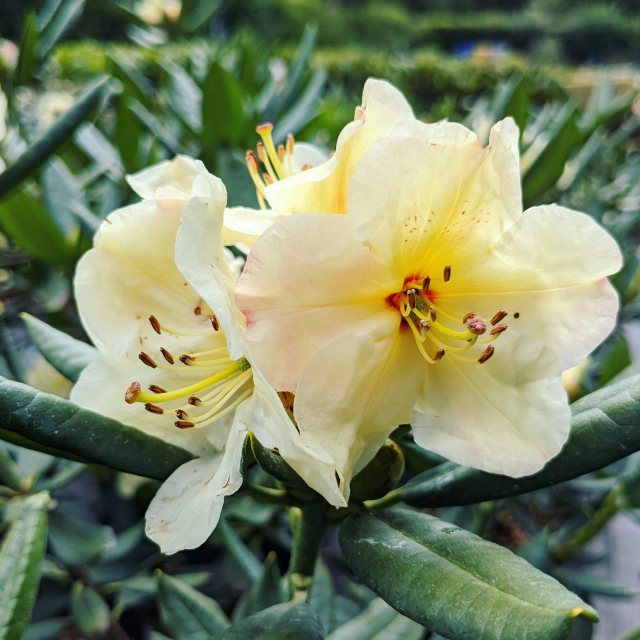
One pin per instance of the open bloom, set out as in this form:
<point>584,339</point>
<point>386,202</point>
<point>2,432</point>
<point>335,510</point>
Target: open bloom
<point>155,296</point>
<point>435,300</point>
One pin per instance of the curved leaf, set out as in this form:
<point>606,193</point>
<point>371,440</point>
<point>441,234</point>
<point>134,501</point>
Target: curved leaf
<point>21,554</point>
<point>603,429</point>
<point>54,422</point>
<point>454,582</point>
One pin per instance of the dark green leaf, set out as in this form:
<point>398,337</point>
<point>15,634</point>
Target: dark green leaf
<point>273,463</point>
<point>157,128</point>
<point>195,13</point>
<point>21,555</point>
<point>77,542</point>
<point>280,622</point>
<point>512,99</point>
<point>454,582</point>
<point>247,561</point>
<point>39,152</point>
<point>58,423</point>
<point>46,629</point>
<point>593,585</point>
<point>64,353</point>
<point>186,613</point>
<point>265,591</point>
<point>9,472</point>
<point>603,430</point>
<point>65,16</point>
<point>28,51</point>
<point>90,612</point>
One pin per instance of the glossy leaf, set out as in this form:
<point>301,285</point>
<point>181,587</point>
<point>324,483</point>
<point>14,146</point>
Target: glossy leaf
<point>28,50</point>
<point>186,613</point>
<point>454,582</point>
<point>293,622</point>
<point>21,555</point>
<point>58,423</point>
<point>603,430</point>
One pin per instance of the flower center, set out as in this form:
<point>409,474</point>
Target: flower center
<point>276,162</point>
<point>221,387</point>
<point>438,332</point>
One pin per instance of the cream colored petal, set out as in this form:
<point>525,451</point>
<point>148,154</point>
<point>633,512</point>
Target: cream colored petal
<point>177,174</point>
<point>187,507</point>
<point>353,393</point>
<point>307,282</point>
<point>307,155</point>
<point>430,198</point>
<point>325,187</point>
<point>243,225</point>
<point>508,416</point>
<point>549,272</point>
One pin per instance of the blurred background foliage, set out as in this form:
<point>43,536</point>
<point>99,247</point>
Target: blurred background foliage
<point>97,90</point>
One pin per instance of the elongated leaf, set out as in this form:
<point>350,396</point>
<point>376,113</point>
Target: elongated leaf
<point>603,429</point>
<point>28,50</point>
<point>58,423</point>
<point>64,353</point>
<point>90,612</point>
<point>247,561</point>
<point>65,16</point>
<point>274,464</point>
<point>186,613</point>
<point>265,591</point>
<point>21,555</point>
<point>293,622</point>
<point>512,99</point>
<point>455,582</point>
<point>53,138</point>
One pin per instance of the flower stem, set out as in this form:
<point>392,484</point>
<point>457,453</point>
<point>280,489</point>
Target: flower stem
<point>393,497</point>
<point>309,526</point>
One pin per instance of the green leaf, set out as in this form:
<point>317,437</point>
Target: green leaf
<point>195,13</point>
<point>66,14</point>
<point>37,154</point>
<point>274,464</point>
<point>379,621</point>
<point>264,592</point>
<point>21,555</point>
<point>28,51</point>
<point>593,585</point>
<point>455,582</point>
<point>512,99</point>
<point>603,430</point>
<point>90,612</point>
<point>64,353</point>
<point>246,560</point>
<point>186,613</point>
<point>9,471</point>
<point>280,622</point>
<point>77,542</point>
<point>58,423</point>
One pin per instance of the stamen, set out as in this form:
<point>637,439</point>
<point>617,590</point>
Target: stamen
<point>264,131</point>
<point>194,400</point>
<point>439,354</point>
<point>446,274</point>
<point>467,316</point>
<point>432,313</point>
<point>147,359</point>
<point>153,408</point>
<point>185,358</point>
<point>155,325</point>
<point>498,316</point>
<point>498,329</point>
<point>476,325</point>
<point>154,388</point>
<point>166,355</point>
<point>425,283</point>
<point>181,414</point>
<point>252,165</point>
<point>411,298</point>
<point>486,354</point>
<point>132,393</point>
<point>214,322</point>
<point>184,424</point>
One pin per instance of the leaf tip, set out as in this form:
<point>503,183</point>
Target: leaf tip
<point>586,612</point>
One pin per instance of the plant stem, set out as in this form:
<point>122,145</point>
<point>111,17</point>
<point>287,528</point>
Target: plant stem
<point>393,497</point>
<point>309,526</point>
<point>613,502</point>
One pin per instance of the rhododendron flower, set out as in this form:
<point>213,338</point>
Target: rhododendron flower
<point>174,361</point>
<point>434,301</point>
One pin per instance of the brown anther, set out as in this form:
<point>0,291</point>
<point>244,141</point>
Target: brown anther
<point>153,408</point>
<point>432,313</point>
<point>486,354</point>
<point>214,323</point>
<point>411,298</point>
<point>194,401</point>
<point>154,388</point>
<point>498,316</point>
<point>267,179</point>
<point>184,424</point>
<point>424,325</point>
<point>476,325</point>
<point>426,283</point>
<point>181,414</point>
<point>438,355</point>
<point>498,329</point>
<point>262,153</point>
<point>446,273</point>
<point>147,359</point>
<point>132,392</point>
<point>467,316</point>
<point>198,311</point>
<point>185,358</point>
<point>251,161</point>
<point>167,355</point>
<point>155,325</point>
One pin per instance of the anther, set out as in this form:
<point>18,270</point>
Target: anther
<point>214,323</point>
<point>155,325</point>
<point>446,274</point>
<point>154,388</point>
<point>498,316</point>
<point>198,311</point>
<point>184,424</point>
<point>194,401</point>
<point>153,408</point>
<point>432,313</point>
<point>467,316</point>
<point>251,161</point>
<point>132,392</point>
<point>411,298</point>
<point>290,144</point>
<point>147,359</point>
<point>166,355</point>
<point>498,329</point>
<point>486,354</point>
<point>181,414</point>
<point>438,355</point>
<point>476,325</point>
<point>281,152</point>
<point>425,283</point>
<point>424,325</point>
<point>185,358</point>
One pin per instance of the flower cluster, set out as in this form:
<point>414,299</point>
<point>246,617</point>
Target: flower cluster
<point>396,281</point>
